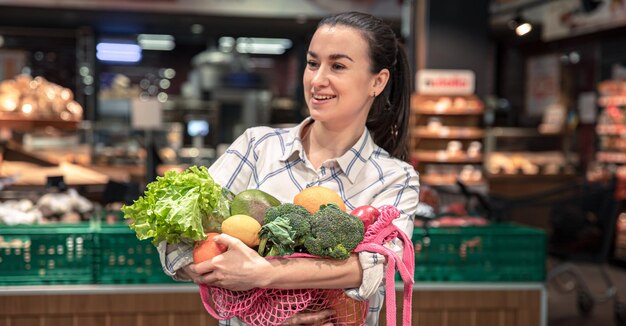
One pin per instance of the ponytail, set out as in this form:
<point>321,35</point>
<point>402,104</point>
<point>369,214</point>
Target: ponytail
<point>388,120</point>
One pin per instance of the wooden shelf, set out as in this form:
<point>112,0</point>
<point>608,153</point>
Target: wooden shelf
<point>521,176</point>
<point>444,157</point>
<point>611,157</point>
<point>449,133</point>
<point>447,180</point>
<point>448,111</point>
<point>611,130</point>
<point>612,100</point>
<point>29,174</point>
<point>17,123</point>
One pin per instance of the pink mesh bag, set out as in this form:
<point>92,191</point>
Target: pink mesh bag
<point>269,307</point>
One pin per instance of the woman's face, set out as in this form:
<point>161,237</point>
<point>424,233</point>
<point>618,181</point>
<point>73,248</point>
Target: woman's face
<point>338,83</point>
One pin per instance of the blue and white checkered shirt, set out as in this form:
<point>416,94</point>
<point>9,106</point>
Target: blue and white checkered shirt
<point>273,160</point>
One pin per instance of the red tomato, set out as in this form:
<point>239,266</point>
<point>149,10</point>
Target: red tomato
<point>367,214</point>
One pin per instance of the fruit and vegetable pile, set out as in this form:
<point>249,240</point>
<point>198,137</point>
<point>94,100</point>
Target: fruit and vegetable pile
<point>190,207</point>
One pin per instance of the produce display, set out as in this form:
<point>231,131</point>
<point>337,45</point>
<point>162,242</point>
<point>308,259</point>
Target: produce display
<point>65,206</point>
<point>189,206</point>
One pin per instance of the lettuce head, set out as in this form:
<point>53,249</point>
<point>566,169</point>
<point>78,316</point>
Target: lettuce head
<point>179,206</point>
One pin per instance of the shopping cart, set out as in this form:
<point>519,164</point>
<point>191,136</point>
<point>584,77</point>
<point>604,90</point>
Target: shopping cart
<point>582,218</point>
<point>583,231</point>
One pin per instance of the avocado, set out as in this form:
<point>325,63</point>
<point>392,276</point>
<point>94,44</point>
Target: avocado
<point>253,202</point>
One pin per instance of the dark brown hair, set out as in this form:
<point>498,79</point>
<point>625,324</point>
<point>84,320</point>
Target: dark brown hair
<point>388,119</point>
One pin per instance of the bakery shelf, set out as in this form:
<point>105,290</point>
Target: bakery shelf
<point>448,111</point>
<point>423,156</point>
<point>448,180</point>
<point>611,157</point>
<point>612,100</point>
<point>449,133</point>
<point>444,129</point>
<point>611,129</point>
<point>15,123</point>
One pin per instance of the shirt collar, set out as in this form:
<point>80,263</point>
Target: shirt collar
<point>351,162</point>
<point>294,141</point>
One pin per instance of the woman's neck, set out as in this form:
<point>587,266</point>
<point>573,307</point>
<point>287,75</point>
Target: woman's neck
<point>322,142</point>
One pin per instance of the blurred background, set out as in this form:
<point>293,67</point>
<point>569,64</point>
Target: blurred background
<point>517,115</point>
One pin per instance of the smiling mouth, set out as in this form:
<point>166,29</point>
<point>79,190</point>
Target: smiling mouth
<point>323,97</point>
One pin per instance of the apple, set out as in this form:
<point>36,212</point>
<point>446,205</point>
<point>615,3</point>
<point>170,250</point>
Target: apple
<point>206,249</point>
<point>367,214</point>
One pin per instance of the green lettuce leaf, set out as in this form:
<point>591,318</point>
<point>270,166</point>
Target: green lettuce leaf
<point>179,207</point>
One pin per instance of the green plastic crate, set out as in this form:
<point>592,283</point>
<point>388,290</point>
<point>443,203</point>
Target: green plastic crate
<point>122,258</point>
<point>46,254</point>
<point>493,253</point>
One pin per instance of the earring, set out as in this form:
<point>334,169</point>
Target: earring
<point>374,94</point>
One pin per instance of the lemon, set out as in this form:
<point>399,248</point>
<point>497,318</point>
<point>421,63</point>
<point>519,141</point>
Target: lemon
<point>244,228</point>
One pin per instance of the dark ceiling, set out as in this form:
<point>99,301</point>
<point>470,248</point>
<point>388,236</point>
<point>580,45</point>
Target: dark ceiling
<point>125,22</point>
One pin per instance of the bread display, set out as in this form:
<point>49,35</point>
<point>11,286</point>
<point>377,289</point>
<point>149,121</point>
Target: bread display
<point>36,98</point>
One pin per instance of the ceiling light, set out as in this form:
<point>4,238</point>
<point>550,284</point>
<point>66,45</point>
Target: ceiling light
<point>118,52</point>
<point>157,42</point>
<point>260,45</point>
<point>523,28</point>
<point>197,29</point>
<point>520,26</point>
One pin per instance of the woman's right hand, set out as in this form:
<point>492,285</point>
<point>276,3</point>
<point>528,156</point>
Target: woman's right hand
<point>187,272</point>
<point>239,268</point>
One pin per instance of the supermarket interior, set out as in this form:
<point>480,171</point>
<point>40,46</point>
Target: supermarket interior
<point>517,129</point>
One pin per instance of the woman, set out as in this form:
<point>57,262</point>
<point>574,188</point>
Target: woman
<point>357,89</point>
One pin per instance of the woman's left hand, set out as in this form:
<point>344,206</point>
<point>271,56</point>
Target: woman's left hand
<point>239,268</point>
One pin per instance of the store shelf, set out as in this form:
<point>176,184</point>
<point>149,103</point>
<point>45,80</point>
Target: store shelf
<point>424,156</point>
<point>615,100</point>
<point>29,174</point>
<point>449,111</point>
<point>449,133</point>
<point>22,124</point>
<point>611,129</point>
<point>445,131</point>
<point>610,157</point>
<point>435,179</point>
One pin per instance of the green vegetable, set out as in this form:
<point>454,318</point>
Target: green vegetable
<point>280,235</point>
<point>273,212</point>
<point>334,233</point>
<point>180,206</point>
<point>285,228</point>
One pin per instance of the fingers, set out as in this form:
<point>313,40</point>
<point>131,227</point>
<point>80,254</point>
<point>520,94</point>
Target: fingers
<point>210,279</point>
<point>227,240</point>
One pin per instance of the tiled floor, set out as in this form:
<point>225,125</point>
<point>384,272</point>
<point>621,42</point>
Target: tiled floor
<point>563,307</point>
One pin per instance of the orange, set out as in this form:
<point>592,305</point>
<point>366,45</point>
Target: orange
<point>206,249</point>
<point>244,228</point>
<point>314,197</point>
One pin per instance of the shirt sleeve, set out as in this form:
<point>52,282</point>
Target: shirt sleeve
<point>404,195</point>
<point>233,171</point>
<point>174,257</point>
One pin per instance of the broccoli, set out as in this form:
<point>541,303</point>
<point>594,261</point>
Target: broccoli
<point>273,212</point>
<point>285,231</point>
<point>334,233</point>
<point>280,235</point>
